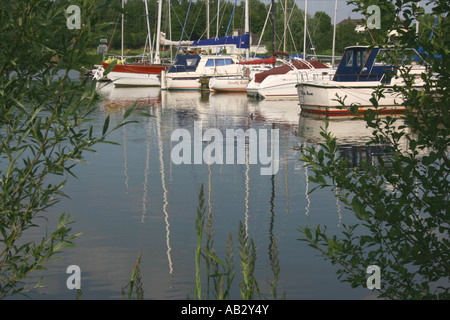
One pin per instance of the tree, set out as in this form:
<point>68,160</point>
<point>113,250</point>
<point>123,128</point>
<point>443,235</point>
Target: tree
<point>401,199</point>
<point>322,31</point>
<point>347,36</point>
<point>44,130</point>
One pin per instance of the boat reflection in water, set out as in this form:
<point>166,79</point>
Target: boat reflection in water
<point>132,198</point>
<point>352,134</point>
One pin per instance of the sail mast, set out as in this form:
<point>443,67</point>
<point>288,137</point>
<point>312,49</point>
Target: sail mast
<point>334,34</point>
<point>148,31</point>
<point>304,35</point>
<point>247,29</point>
<point>121,38</point>
<point>158,34</point>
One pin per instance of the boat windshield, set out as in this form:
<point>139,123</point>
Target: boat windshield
<point>398,57</point>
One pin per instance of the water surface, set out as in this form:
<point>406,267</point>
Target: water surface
<point>132,198</point>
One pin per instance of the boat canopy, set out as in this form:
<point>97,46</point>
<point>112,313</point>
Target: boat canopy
<point>185,63</point>
<point>270,60</point>
<point>259,77</point>
<point>363,63</point>
<point>239,41</point>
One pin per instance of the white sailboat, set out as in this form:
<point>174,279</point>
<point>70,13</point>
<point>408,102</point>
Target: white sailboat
<point>240,83</point>
<point>138,74</point>
<point>193,71</point>
<point>280,82</point>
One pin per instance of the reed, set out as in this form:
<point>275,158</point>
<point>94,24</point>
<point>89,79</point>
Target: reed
<point>135,282</point>
<point>220,273</point>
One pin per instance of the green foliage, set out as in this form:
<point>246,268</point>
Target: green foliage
<point>135,285</point>
<point>222,271</point>
<point>135,28</point>
<point>44,131</point>
<point>402,198</point>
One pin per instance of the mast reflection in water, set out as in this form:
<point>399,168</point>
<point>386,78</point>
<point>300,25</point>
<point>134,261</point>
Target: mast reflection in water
<point>131,198</point>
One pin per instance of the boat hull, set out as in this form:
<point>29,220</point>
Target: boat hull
<point>123,79</point>
<point>228,84</point>
<point>283,86</point>
<point>135,75</point>
<point>284,90</point>
<point>323,98</point>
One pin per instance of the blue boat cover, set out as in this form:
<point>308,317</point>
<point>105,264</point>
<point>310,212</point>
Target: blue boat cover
<point>239,41</point>
<point>185,63</point>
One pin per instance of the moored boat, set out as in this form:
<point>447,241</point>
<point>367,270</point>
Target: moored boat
<point>187,71</point>
<point>135,74</point>
<point>361,71</point>
<point>239,83</point>
<point>280,82</point>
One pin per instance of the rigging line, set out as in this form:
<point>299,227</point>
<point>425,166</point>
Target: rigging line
<point>196,19</point>
<point>290,31</point>
<point>229,23</point>
<point>263,29</point>
<point>183,31</point>
<point>201,36</point>
<point>184,26</point>
<point>231,18</point>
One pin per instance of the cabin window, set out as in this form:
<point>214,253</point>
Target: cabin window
<point>361,58</point>
<point>408,56</point>
<point>191,62</point>
<point>349,59</point>
<point>218,62</point>
<point>382,58</point>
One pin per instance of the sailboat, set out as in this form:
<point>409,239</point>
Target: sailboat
<point>193,70</point>
<point>137,74</point>
<point>240,83</point>
<point>280,82</point>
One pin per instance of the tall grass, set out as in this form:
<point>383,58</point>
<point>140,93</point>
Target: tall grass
<point>220,273</point>
<point>135,283</point>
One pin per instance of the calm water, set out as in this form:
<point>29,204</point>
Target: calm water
<point>132,198</point>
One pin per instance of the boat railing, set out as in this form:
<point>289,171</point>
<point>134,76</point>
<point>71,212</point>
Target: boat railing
<point>305,62</point>
<point>305,76</point>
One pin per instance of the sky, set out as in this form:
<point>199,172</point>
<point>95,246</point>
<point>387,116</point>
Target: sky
<point>344,11</point>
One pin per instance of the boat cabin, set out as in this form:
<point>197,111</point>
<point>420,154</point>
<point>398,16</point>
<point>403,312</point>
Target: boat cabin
<point>185,63</point>
<point>363,63</point>
<point>190,63</point>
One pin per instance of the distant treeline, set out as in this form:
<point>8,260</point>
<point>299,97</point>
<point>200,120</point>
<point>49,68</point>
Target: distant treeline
<point>319,33</point>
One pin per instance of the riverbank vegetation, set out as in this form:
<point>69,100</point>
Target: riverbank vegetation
<point>45,130</point>
<point>319,24</point>
<point>401,197</point>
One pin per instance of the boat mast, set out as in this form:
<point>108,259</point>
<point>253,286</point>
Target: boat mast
<point>218,11</point>
<point>334,34</point>
<point>304,35</point>
<point>247,29</point>
<point>207,19</point>
<point>273,26</point>
<point>285,21</point>
<point>158,34</point>
<point>121,38</point>
<point>148,31</point>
